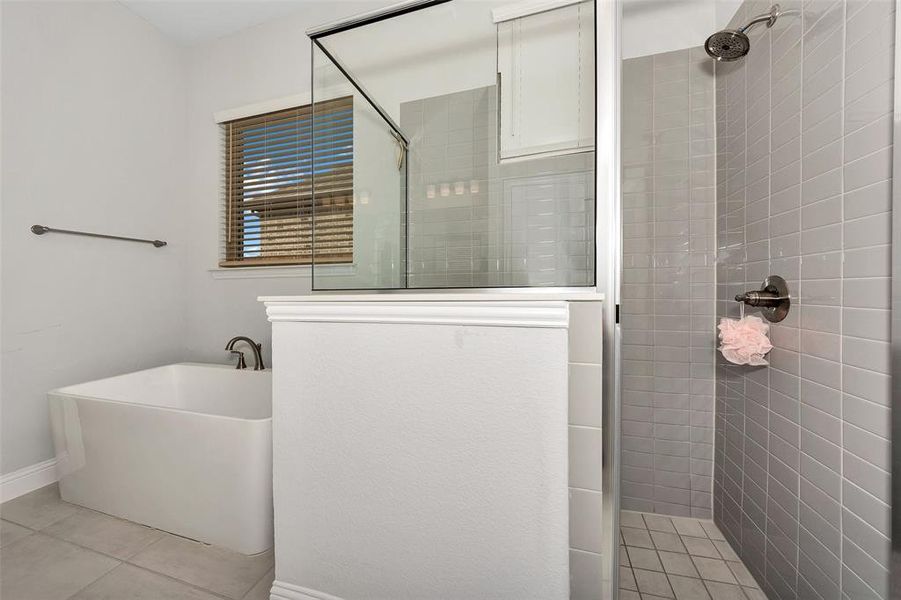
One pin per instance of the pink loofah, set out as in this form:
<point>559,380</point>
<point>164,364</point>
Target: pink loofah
<point>744,341</point>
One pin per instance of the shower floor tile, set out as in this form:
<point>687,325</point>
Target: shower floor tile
<point>53,550</point>
<point>680,559</point>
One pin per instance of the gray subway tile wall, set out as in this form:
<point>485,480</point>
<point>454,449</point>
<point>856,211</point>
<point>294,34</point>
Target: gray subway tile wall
<point>474,222</point>
<point>803,184</point>
<point>668,156</point>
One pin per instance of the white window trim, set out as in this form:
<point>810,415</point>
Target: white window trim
<point>278,272</point>
<point>261,108</point>
<point>273,271</point>
<point>267,106</point>
<point>270,272</point>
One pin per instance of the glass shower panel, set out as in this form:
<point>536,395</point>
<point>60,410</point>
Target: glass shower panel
<point>359,177</point>
<point>458,81</point>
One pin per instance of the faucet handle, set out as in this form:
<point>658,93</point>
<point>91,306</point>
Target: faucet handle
<point>241,363</point>
<point>772,298</point>
<point>259,366</point>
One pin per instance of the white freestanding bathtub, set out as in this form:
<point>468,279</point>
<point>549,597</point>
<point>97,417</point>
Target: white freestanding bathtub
<point>186,448</point>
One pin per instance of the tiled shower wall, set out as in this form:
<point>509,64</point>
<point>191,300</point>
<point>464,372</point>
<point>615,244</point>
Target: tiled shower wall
<point>474,222</point>
<point>668,283</point>
<point>801,479</point>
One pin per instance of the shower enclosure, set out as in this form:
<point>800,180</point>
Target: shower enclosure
<point>474,161</point>
<point>473,146</point>
<point>761,155</point>
<point>759,160</point>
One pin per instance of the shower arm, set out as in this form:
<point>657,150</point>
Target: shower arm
<point>768,18</point>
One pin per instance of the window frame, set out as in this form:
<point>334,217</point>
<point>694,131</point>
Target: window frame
<point>335,205</point>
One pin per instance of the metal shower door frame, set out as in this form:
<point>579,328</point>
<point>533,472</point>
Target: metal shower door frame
<point>895,573</point>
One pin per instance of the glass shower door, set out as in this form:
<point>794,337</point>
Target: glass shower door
<point>359,178</point>
<point>473,147</point>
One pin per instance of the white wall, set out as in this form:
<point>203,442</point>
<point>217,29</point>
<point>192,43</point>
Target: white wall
<point>122,120</point>
<point>654,26</point>
<point>262,63</point>
<point>272,61</point>
<point>724,10</point>
<point>447,48</point>
<point>93,131</point>
<point>485,409</point>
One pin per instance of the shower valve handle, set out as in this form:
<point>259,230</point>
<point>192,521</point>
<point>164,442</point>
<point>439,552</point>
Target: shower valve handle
<point>760,298</point>
<point>772,298</point>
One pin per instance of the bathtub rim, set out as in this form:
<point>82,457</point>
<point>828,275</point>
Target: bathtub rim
<point>60,392</point>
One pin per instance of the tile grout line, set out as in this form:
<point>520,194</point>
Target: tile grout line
<point>700,522</point>
<point>263,576</point>
<point>128,560</point>
<point>165,576</point>
<point>89,584</point>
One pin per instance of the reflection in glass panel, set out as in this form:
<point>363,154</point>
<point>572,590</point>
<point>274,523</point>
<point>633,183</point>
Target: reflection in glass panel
<point>359,175</point>
<point>496,100</point>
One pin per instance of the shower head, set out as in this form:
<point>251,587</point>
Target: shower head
<point>731,44</point>
<point>727,45</point>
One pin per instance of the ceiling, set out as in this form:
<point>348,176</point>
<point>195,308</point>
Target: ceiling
<point>191,22</point>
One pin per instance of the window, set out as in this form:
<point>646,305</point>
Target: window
<point>545,64</point>
<point>268,169</point>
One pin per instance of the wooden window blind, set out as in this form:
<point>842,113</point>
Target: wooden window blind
<point>269,163</point>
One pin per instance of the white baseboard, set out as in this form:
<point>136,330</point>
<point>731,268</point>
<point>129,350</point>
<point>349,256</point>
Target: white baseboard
<point>27,479</point>
<point>288,591</point>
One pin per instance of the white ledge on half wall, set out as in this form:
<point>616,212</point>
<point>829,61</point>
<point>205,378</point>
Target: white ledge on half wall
<point>473,309</point>
<point>525,295</point>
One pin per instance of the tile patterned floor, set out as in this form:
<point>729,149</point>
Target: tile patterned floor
<point>681,559</point>
<point>53,550</point>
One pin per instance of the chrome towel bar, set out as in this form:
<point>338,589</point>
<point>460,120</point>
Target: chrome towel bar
<point>42,229</point>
